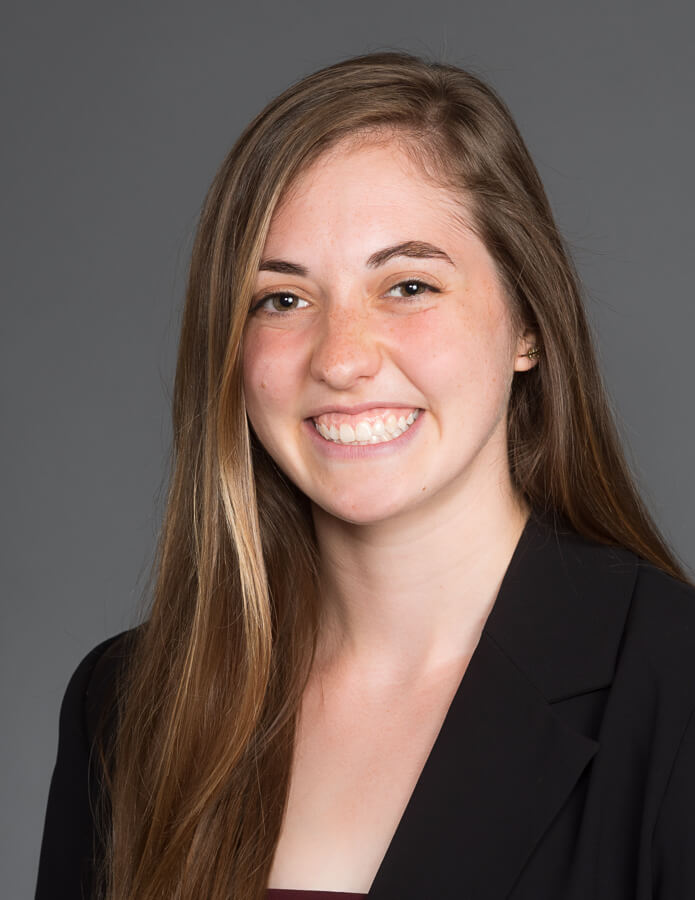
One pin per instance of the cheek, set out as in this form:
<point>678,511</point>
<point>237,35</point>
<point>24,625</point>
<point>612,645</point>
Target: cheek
<point>438,349</point>
<point>457,356</point>
<point>270,366</point>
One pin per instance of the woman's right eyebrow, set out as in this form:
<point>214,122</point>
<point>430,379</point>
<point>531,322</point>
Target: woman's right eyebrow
<point>414,249</point>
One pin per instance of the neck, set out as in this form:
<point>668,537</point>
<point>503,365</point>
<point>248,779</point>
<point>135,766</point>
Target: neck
<point>407,598</point>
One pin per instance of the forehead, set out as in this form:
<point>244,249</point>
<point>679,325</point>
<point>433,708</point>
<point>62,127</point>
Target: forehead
<point>366,195</point>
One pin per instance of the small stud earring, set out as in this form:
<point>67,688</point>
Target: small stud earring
<point>533,353</point>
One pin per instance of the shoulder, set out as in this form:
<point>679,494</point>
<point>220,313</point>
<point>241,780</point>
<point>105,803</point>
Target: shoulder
<point>71,830</point>
<point>659,654</point>
<point>674,598</point>
<point>91,690</point>
<point>661,629</point>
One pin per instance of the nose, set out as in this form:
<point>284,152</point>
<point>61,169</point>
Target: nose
<point>346,349</point>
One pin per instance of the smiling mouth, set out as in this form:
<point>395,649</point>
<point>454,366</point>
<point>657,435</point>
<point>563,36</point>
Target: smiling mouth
<point>359,430</point>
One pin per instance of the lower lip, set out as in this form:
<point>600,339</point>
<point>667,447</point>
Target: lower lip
<point>362,451</point>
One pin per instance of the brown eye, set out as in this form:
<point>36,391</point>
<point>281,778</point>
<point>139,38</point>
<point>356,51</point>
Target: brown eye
<point>281,301</point>
<point>414,288</point>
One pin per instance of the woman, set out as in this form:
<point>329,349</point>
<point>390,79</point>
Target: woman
<point>413,634</point>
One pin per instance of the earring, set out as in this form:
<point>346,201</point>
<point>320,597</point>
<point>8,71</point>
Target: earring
<point>533,353</point>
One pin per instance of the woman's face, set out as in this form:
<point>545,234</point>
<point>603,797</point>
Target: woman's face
<point>362,340</point>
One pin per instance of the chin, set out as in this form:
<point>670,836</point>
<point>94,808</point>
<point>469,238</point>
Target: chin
<point>358,509</point>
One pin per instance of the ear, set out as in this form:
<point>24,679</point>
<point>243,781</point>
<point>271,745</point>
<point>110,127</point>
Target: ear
<point>529,340</point>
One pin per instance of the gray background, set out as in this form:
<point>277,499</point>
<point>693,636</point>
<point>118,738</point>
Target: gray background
<point>114,120</point>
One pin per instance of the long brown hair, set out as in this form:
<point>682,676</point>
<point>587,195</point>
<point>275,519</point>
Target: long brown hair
<point>200,772</point>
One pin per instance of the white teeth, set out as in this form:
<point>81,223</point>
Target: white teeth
<point>363,432</point>
<point>375,432</point>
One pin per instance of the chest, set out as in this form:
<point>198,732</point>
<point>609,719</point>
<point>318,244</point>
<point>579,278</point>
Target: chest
<point>357,760</point>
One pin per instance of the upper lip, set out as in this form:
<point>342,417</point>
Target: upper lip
<point>358,408</point>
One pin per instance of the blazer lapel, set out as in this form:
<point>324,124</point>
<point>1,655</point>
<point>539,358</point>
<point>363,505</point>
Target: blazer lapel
<point>504,761</point>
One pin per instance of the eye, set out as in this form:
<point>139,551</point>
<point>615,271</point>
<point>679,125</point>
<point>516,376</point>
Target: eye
<point>281,301</point>
<point>420,287</point>
<point>285,301</point>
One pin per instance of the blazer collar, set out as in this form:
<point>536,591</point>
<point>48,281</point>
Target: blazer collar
<point>504,762</point>
<point>561,608</point>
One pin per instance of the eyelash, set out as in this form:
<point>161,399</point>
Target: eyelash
<point>275,312</point>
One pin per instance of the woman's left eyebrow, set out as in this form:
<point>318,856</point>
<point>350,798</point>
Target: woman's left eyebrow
<point>414,249</point>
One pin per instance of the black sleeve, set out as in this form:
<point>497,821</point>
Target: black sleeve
<point>68,846</point>
<point>674,836</point>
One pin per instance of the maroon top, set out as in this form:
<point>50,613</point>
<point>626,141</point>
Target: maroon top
<point>280,894</point>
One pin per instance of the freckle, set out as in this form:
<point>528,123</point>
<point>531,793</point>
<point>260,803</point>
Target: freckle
<point>263,385</point>
<point>424,489</point>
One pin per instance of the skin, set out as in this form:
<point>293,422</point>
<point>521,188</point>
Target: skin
<point>441,512</point>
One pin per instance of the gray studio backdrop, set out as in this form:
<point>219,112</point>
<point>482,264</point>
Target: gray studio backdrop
<point>115,118</point>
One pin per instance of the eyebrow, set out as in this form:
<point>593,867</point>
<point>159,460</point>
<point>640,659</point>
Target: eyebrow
<point>414,249</point>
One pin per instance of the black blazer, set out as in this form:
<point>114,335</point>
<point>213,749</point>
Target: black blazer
<point>565,767</point>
